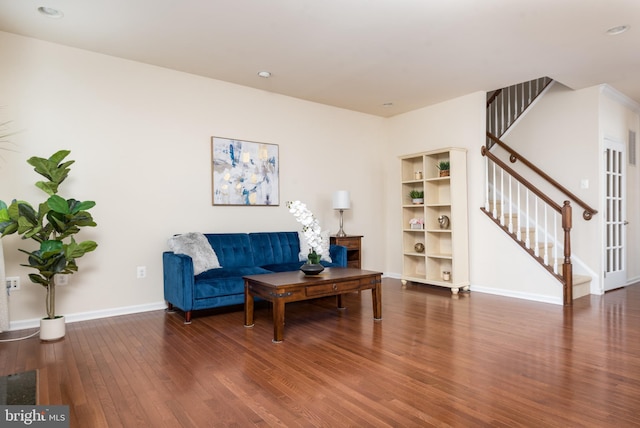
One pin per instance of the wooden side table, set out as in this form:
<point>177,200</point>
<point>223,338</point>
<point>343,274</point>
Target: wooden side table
<point>354,248</point>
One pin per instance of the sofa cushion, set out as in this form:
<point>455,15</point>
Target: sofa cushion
<point>233,249</point>
<point>294,266</point>
<point>226,272</point>
<point>223,281</point>
<point>196,246</point>
<point>284,267</point>
<point>274,247</point>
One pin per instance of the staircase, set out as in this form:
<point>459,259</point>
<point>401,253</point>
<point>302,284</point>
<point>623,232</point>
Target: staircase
<point>505,106</point>
<point>539,224</point>
<point>545,251</point>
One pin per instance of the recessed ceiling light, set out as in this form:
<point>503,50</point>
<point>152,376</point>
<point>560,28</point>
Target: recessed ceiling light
<point>614,31</point>
<point>50,12</point>
<point>264,74</point>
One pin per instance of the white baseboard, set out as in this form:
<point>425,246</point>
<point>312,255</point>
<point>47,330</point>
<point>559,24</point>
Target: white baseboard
<point>518,295</point>
<point>633,280</point>
<point>92,315</point>
<point>501,292</point>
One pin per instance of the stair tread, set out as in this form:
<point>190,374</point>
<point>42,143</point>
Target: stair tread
<point>580,279</point>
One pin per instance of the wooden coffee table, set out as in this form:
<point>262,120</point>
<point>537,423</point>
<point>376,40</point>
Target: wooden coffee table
<point>283,287</point>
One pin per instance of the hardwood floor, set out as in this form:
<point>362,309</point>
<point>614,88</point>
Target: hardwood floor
<point>434,360</point>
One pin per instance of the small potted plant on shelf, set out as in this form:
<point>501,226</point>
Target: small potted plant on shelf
<point>416,223</point>
<point>443,166</point>
<point>417,196</point>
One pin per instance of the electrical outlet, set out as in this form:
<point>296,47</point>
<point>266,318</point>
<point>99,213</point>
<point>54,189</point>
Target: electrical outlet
<point>62,279</point>
<point>13,283</point>
<point>142,272</point>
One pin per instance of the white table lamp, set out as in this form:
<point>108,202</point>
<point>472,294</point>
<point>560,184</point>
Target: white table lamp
<point>341,201</point>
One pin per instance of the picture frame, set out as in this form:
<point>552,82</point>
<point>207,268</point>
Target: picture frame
<point>244,172</point>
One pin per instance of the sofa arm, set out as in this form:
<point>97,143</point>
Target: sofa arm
<point>178,280</point>
<point>338,254</point>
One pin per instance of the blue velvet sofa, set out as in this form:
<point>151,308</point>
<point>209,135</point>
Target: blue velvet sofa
<point>238,254</point>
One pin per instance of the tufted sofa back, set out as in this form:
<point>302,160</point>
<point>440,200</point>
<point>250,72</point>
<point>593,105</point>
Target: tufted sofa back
<point>270,248</point>
<point>255,249</point>
<point>232,249</point>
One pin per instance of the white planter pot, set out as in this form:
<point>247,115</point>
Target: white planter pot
<point>52,329</point>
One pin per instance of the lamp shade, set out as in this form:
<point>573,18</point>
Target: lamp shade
<point>341,200</point>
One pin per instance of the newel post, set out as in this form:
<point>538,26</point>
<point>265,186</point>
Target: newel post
<point>567,268</point>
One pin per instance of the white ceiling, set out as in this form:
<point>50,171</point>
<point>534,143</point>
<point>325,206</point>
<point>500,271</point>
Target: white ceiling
<point>356,54</point>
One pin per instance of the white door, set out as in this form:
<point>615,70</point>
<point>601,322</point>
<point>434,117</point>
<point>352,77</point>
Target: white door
<point>615,260</point>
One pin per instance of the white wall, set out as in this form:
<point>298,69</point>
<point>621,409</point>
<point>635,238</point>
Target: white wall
<point>140,136</point>
<point>455,123</point>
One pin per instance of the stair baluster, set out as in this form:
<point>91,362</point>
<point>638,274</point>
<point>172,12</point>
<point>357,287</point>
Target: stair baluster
<point>555,247</point>
<point>510,208</point>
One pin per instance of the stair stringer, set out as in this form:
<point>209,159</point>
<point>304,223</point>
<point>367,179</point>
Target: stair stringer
<point>531,280</point>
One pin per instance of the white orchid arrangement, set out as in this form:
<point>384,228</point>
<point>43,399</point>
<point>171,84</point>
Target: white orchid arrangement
<point>310,228</point>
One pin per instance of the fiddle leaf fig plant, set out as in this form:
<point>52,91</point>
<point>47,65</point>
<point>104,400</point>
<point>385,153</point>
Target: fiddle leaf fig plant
<point>53,226</point>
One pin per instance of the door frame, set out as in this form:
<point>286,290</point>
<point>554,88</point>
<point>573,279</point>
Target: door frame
<point>616,279</point>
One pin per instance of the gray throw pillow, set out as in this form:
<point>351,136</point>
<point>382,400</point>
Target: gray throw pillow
<point>196,246</point>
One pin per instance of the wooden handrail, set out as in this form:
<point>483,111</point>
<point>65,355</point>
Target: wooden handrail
<point>493,96</point>
<point>515,156</point>
<point>539,193</point>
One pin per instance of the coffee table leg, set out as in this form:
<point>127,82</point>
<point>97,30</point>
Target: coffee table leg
<point>248,306</point>
<point>376,297</point>
<point>339,301</point>
<point>278,320</point>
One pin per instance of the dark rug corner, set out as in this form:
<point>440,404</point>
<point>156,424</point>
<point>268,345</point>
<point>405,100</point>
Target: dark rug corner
<point>19,388</point>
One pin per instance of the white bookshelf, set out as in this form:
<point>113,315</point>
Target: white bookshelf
<point>445,249</point>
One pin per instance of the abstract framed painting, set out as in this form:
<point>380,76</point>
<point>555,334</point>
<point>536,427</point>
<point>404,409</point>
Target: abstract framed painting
<point>244,172</point>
